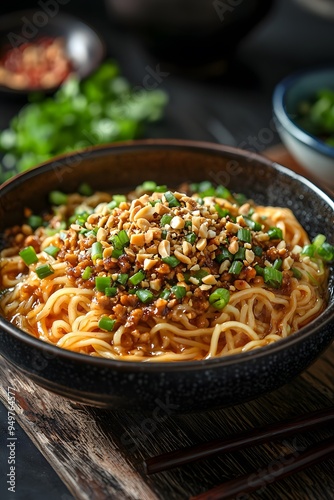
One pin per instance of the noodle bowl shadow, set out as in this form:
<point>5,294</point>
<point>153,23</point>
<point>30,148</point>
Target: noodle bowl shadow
<point>189,385</point>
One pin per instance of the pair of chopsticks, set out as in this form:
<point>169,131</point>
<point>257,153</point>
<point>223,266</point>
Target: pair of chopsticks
<point>244,484</point>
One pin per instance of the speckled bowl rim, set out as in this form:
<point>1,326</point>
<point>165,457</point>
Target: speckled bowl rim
<point>282,113</point>
<point>326,317</point>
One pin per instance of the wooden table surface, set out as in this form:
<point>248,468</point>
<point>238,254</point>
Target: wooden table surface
<point>98,453</point>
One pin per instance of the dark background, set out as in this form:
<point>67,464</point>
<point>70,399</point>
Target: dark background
<point>231,106</point>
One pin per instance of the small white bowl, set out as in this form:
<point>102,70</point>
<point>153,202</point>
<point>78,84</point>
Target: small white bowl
<point>310,152</point>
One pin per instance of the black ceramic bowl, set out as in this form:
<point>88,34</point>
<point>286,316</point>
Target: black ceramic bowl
<point>185,386</point>
<point>83,46</point>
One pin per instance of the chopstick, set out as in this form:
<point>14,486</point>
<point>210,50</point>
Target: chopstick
<point>253,437</point>
<point>289,465</point>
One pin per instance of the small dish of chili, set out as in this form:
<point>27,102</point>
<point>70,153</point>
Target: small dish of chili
<point>38,51</point>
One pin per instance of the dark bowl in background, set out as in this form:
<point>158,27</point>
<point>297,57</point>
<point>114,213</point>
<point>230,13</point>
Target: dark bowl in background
<point>83,45</point>
<point>189,33</point>
<point>188,386</point>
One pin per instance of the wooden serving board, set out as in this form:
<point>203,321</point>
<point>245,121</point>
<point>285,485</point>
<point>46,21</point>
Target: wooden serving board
<point>98,453</point>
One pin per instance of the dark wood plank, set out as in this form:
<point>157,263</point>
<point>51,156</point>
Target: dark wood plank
<point>98,453</point>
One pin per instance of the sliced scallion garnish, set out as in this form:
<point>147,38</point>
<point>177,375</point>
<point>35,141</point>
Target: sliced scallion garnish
<point>244,235</point>
<point>52,250</point>
<point>137,278</point>
<point>172,261</point>
<point>44,271</point>
<point>107,323</point>
<point>102,282</point>
<point>179,291</point>
<point>122,278</point>
<point>236,267</point>
<point>219,298</point>
<point>272,277</point>
<point>275,233</point>
<point>172,201</point>
<point>165,219</point>
<point>35,221</point>
<point>28,255</point>
<point>97,251</point>
<point>57,198</point>
<point>191,238</point>
<point>87,273</point>
<point>144,295</point>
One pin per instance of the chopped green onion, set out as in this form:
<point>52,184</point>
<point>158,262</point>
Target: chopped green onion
<point>85,189</point>
<point>110,291</point>
<point>107,323</point>
<point>96,251</point>
<point>318,241</point>
<point>240,255</point>
<point>308,250</point>
<point>199,187</point>
<point>116,253</point>
<point>200,274</point>
<point>259,270</point>
<point>149,186</point>
<point>272,277</point>
<point>224,255</point>
<point>123,238</point>
<point>122,278</point>
<point>102,282</point>
<point>219,298</point>
<point>164,234</point>
<point>275,233</point>
<point>144,295</point>
<point>188,224</point>
<point>28,255</point>
<point>35,221</point>
<point>326,252</point>
<point>277,264</point>
<point>222,212</point>
<point>297,274</point>
<point>112,204</point>
<point>81,219</point>
<point>172,201</point>
<point>244,235</point>
<point>44,271</point>
<point>236,267</point>
<point>137,278</point>
<point>191,238</point>
<point>240,198</point>
<point>205,188</point>
<point>165,219</point>
<point>179,291</point>
<point>50,231</point>
<point>172,261</point>
<point>92,233</point>
<point>117,199</point>
<point>52,250</point>
<point>57,198</point>
<point>165,294</point>
<point>120,240</point>
<point>255,226</point>
<point>87,273</point>
<point>223,192</point>
<point>258,251</point>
